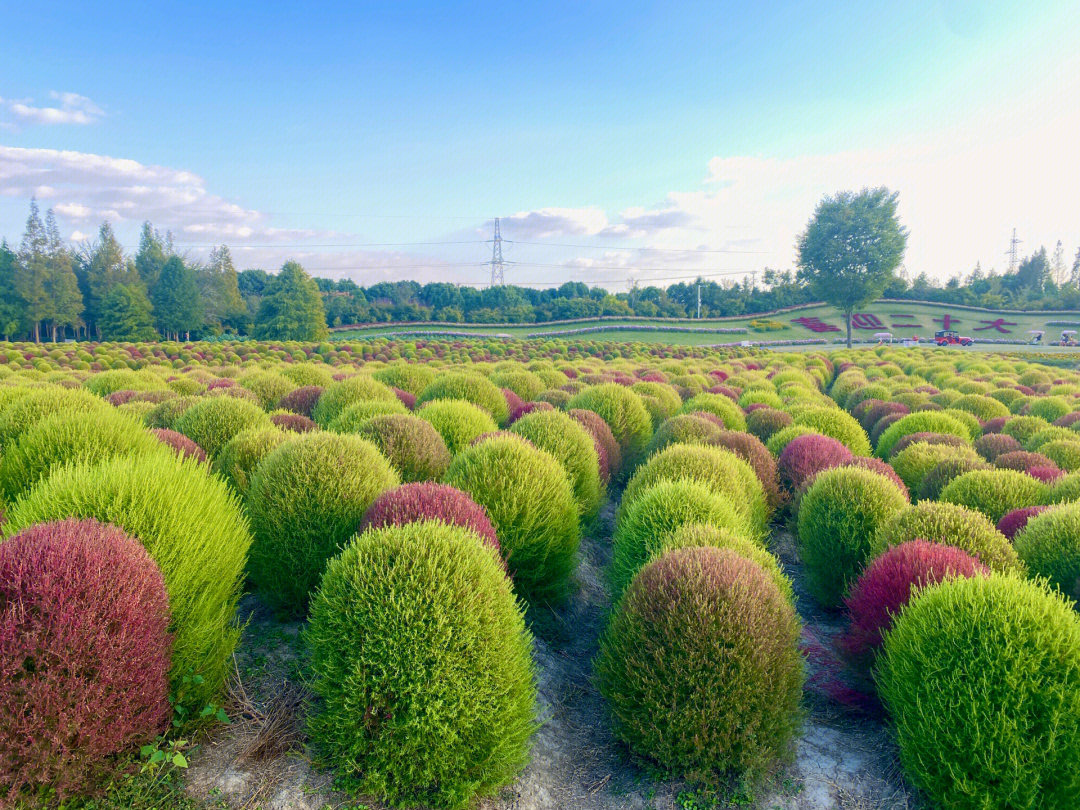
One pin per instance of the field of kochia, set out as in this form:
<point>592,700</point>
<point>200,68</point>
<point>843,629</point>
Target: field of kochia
<point>420,510</point>
<point>814,322</point>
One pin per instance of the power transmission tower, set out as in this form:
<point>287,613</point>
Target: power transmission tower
<point>497,278</point>
<point>1012,252</point>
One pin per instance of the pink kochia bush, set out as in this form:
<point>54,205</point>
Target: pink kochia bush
<point>1017,519</point>
<point>295,422</point>
<point>607,448</point>
<point>880,467</point>
<point>183,446</point>
<point>429,501</point>
<point>806,455</point>
<point>528,407</point>
<point>301,400</point>
<point>84,655</point>
<point>886,585</point>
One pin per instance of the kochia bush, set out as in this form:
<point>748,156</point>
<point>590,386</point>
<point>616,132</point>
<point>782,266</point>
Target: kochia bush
<point>608,454</point>
<point>307,497</point>
<point>422,662</point>
<point>210,423</point>
<point>624,413</point>
<point>430,501</point>
<point>84,655</point>
<point>340,395</point>
<point>412,446</point>
<point>572,445</point>
<point>804,456</point>
<point>720,406</point>
<point>995,492</point>
<point>700,665</point>
<point>1050,545</point>
<point>1014,521</point>
<point>242,453</point>
<point>457,421</point>
<point>471,387</point>
<point>193,526</point>
<point>1012,649</point>
<point>921,422</point>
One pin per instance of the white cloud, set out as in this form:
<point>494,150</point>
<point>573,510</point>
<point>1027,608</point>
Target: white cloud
<point>72,109</point>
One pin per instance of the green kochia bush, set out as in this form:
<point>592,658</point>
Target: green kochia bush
<point>718,405</point>
<point>995,493</point>
<point>210,423</point>
<point>1050,545</point>
<point>838,424</point>
<point>531,503</point>
<point>471,387</point>
<point>242,453</point>
<point>982,678</point>
<point>951,525</point>
<point>624,413</point>
<point>421,659</point>
<point>573,446</point>
<point>191,524</point>
<point>307,497</point>
<point>915,461</point>
<point>921,422</point>
<point>656,512</point>
<point>457,421</point>
<point>411,377</point>
<point>412,446</point>
<point>340,395</point>
<point>700,666</point>
<point>19,415</point>
<point>356,414</point>
<point>838,516</point>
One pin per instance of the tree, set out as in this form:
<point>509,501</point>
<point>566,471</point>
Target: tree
<point>291,307</point>
<point>1075,275</point>
<point>154,251</point>
<point>177,305</point>
<point>1033,273</point>
<point>61,286</point>
<point>103,268</point>
<point>12,307</point>
<point>33,271</point>
<point>1059,271</point>
<point>848,252</point>
<point>126,314</point>
<point>219,285</point>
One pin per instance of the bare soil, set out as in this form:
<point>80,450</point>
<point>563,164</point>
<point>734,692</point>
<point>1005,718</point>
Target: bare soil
<point>844,758</point>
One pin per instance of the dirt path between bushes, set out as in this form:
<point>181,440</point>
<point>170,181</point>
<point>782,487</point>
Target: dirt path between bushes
<point>843,760</point>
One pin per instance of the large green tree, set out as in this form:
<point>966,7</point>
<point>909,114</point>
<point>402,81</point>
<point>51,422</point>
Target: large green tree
<point>61,285</point>
<point>851,248</point>
<point>291,307</point>
<point>126,314</point>
<point>102,268</point>
<point>33,271</point>
<point>176,300</point>
<point>154,250</point>
<point>12,308</point>
<point>224,307</point>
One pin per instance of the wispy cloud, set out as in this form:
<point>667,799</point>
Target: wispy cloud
<point>71,109</point>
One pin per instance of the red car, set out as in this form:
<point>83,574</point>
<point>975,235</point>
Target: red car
<point>950,337</point>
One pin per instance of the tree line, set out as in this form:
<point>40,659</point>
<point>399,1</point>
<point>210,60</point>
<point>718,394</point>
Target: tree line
<point>49,291</point>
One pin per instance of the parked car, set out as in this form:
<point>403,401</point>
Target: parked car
<point>950,337</point>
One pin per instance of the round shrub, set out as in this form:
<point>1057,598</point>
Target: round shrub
<point>417,626</point>
<point>995,492</point>
<point>530,501</point>
<point>457,421</point>
<point>1012,650</point>
<point>872,415</point>
<point>945,471</point>
<point>703,534</point>
<point>720,470</point>
<point>838,516</point>
<point>210,423</point>
<point>623,412</point>
<point>750,449</point>
<point>1021,460</point>
<point>886,585</point>
<point>1015,520</point>
<point>718,405</point>
<point>293,422</point>
<point>608,454</point>
<point>84,655</point>
<point>1049,408</point>
<point>881,468</point>
<point>31,407</point>
<point>1049,543</point>
<point>165,415</point>
<point>764,422</point>
<point>307,497</point>
<point>412,446</point>
<point>839,425</point>
<point>920,422</point>
<point>926,438</point>
<point>354,415</point>
<point>992,445</point>
<point>301,400</point>
<point>67,438</point>
<point>661,400</point>
<point>1065,454</point>
<point>340,395</point>
<point>410,503</point>
<point>268,386</point>
<point>179,443</point>
<point>950,525</point>
<point>410,377</point>
<point>527,408</point>
<point>471,387</point>
<point>1048,435</point>
<point>700,665</point>
<point>684,429</point>
<point>1023,428</point>
<point>572,445</point>
<point>915,461</point>
<point>191,524</point>
<point>983,407</point>
<point>658,511</point>
<point>1066,488</point>
<point>241,455</point>
<point>307,374</point>
<point>519,380</point>
<point>804,456</point>
<point>780,440</point>
<point>882,424</point>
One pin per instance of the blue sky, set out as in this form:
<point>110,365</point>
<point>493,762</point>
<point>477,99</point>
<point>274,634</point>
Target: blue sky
<point>707,126</point>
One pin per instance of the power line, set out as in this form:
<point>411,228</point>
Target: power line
<point>651,249</point>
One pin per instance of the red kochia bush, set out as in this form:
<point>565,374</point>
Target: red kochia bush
<point>513,401</point>
<point>1011,524</point>
<point>295,422</point>
<point>805,455</point>
<point>873,414</point>
<point>1046,474</point>
<point>1068,420</point>
<point>881,468</point>
<point>993,426</point>
<point>84,655</point>
<point>992,445</point>
<point>183,446</point>
<point>528,407</point>
<point>750,449</point>
<point>301,400</point>
<point>429,501</point>
<point>406,398</point>
<point>607,448</point>
<point>886,584</point>
<point>1022,460</point>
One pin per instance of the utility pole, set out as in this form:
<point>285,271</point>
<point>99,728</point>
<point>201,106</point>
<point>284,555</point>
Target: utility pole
<point>497,279</point>
<point>1012,253</point>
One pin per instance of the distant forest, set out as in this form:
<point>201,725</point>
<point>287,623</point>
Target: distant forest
<point>49,291</point>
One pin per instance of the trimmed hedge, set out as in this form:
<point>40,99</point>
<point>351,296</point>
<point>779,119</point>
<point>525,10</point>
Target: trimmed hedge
<point>417,626</point>
<point>193,526</point>
<point>307,497</point>
<point>531,503</point>
<point>838,516</point>
<point>84,656</point>
<point>950,525</point>
<point>1012,650</point>
<point>700,666</point>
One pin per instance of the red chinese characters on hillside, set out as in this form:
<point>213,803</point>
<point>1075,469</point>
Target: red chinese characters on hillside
<point>997,323</point>
<point>866,320</point>
<point>815,324</point>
